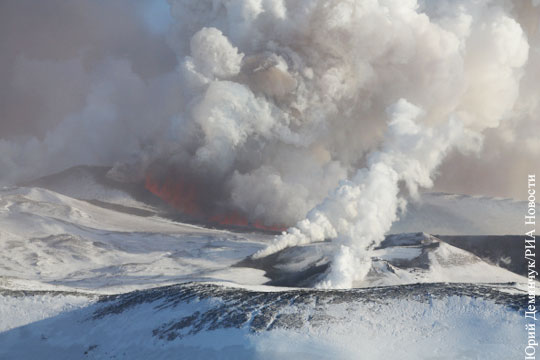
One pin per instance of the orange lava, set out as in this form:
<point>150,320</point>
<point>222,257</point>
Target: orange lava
<point>177,192</point>
<point>259,225</point>
<point>183,196</point>
<point>231,219</point>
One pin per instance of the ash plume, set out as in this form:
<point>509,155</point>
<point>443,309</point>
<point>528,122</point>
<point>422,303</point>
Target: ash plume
<point>358,213</point>
<point>275,112</point>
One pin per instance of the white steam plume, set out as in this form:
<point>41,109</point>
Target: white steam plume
<point>358,213</point>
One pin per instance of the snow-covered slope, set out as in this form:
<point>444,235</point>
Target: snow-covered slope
<point>205,321</point>
<point>52,238</point>
<point>93,183</point>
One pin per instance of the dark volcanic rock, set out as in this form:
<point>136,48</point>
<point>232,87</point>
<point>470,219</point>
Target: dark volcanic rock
<point>221,307</point>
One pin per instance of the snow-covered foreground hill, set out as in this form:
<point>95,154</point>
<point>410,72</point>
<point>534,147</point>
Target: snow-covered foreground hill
<point>207,321</point>
<point>90,268</point>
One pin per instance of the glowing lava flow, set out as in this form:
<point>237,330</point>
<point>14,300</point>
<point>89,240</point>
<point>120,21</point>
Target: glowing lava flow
<point>183,196</point>
<point>231,219</point>
<point>178,193</point>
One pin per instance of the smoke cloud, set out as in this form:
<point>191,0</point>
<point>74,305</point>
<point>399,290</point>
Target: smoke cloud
<point>358,213</point>
<point>263,111</point>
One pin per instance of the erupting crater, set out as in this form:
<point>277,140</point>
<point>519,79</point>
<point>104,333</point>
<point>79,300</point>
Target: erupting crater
<point>187,197</point>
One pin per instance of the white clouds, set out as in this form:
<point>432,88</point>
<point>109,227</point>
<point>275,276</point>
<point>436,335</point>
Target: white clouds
<point>213,54</point>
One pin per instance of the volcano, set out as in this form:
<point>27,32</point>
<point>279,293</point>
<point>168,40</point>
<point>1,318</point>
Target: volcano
<point>78,258</point>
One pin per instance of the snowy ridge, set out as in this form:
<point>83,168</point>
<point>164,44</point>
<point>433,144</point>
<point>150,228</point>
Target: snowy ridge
<point>52,238</point>
<point>209,321</point>
<point>94,183</point>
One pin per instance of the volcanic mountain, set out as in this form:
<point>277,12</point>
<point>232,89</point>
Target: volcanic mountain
<point>82,255</point>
